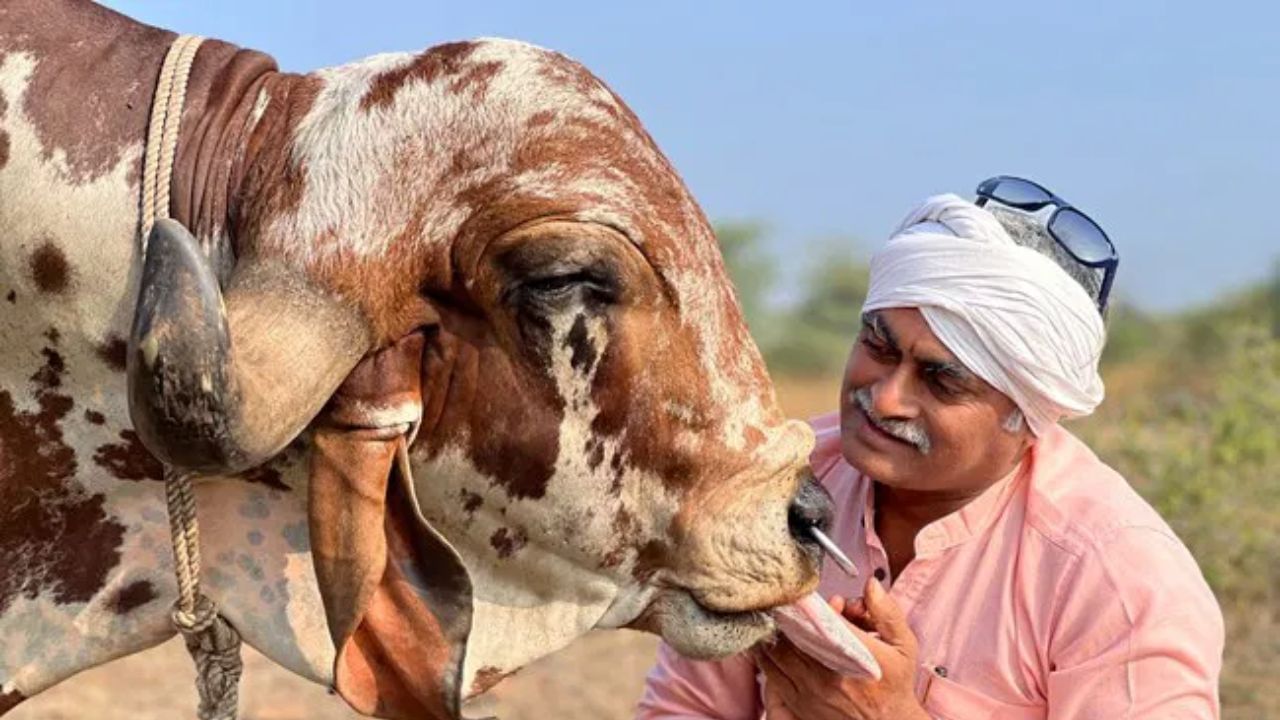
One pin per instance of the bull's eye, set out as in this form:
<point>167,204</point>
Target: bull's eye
<point>590,285</point>
<point>555,285</point>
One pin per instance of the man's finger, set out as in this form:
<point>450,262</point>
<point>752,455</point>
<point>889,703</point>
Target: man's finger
<point>837,603</point>
<point>886,617</point>
<point>775,706</point>
<point>799,666</point>
<point>777,678</point>
<point>855,612</point>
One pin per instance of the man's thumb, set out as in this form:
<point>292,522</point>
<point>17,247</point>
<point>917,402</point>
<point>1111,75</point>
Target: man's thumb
<point>886,617</point>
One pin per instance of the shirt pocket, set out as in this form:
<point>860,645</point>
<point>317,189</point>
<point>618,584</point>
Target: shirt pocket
<point>946,699</point>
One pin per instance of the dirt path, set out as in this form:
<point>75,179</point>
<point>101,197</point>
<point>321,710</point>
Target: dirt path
<point>597,678</point>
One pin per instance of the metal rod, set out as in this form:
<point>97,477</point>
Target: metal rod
<point>829,546</point>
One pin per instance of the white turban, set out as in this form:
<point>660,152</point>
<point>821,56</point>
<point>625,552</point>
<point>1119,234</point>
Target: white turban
<point>1010,314</point>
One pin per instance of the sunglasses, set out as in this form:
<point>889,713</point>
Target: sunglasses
<point>1075,232</point>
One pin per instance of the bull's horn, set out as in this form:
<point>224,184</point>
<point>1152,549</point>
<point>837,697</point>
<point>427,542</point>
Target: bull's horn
<point>217,389</point>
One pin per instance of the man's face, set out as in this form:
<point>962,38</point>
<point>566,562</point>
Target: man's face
<point>913,417</point>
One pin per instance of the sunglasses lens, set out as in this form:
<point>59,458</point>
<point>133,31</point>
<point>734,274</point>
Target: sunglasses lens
<point>1016,192</point>
<point>1081,236</point>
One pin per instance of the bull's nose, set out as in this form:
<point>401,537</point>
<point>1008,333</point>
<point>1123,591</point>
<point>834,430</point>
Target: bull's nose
<point>811,507</point>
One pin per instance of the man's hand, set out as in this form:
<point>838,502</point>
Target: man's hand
<point>798,687</point>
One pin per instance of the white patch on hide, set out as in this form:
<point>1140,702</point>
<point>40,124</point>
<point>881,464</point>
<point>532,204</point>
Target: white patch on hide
<point>259,108</point>
<point>93,224</point>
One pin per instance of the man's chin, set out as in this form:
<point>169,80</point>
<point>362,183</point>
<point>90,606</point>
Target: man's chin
<point>701,633</point>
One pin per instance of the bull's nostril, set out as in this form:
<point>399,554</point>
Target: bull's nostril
<point>811,507</point>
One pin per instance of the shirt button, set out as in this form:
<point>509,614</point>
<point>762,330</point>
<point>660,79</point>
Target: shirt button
<point>880,574</point>
<point>941,671</point>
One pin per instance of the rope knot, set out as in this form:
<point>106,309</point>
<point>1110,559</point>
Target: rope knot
<point>197,619</point>
<point>215,647</point>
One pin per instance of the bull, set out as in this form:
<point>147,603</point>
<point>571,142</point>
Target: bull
<point>480,381</point>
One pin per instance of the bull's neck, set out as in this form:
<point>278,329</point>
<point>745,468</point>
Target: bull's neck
<point>228,92</point>
<point>95,63</point>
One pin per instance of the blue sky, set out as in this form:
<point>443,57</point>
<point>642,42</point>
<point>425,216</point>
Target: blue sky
<point>830,120</point>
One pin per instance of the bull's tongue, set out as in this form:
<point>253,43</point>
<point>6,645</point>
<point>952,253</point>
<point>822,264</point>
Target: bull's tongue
<point>819,632</point>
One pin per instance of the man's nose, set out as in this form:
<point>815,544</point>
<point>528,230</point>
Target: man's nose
<point>890,396</point>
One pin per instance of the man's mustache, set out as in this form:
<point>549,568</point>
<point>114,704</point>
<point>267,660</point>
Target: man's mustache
<point>907,431</point>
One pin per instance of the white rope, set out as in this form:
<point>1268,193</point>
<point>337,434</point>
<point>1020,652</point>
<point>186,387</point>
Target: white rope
<point>214,645</point>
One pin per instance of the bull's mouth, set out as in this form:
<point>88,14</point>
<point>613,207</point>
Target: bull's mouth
<point>735,616</point>
<point>698,631</point>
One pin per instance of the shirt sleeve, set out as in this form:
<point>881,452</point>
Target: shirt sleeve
<point>678,688</point>
<point>1138,634</point>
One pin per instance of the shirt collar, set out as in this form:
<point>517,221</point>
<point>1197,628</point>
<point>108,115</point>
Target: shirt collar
<point>960,526</point>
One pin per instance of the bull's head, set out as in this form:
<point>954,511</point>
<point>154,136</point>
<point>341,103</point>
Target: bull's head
<point>479,255</point>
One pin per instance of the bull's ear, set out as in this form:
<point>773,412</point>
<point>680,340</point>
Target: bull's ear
<point>397,596</point>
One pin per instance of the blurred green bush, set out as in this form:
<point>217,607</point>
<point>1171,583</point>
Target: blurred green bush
<point>1197,432</point>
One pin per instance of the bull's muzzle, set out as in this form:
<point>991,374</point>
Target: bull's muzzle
<point>810,508</point>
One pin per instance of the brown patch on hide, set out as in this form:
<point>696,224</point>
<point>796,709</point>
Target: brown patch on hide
<point>475,79</point>
<point>215,142</point>
<point>128,459</point>
<point>487,677</point>
<point>508,423</point>
<point>133,596</point>
<point>625,529</point>
<point>266,475</point>
<point>94,417</point>
<point>49,269</point>
<point>471,501</point>
<point>54,537</point>
<point>539,119</point>
<point>595,453</point>
<point>12,297</point>
<point>653,557</point>
<point>91,88</point>
<point>10,700</point>
<point>50,376</point>
<point>113,351</point>
<point>507,541</point>
<point>583,354</point>
<point>388,288</point>
<point>4,137</point>
<point>442,60</point>
<point>271,183</point>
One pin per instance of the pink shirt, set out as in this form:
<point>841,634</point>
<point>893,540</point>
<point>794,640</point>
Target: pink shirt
<point>1058,593</point>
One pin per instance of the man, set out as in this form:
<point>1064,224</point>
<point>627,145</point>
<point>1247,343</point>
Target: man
<point>1009,573</point>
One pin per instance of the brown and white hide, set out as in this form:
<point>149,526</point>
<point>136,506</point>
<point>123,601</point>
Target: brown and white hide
<point>553,418</point>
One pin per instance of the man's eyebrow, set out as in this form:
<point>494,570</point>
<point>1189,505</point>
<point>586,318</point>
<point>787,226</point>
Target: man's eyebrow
<point>878,327</point>
<point>950,368</point>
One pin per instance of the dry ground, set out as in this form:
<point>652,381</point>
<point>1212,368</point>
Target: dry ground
<point>597,678</point>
